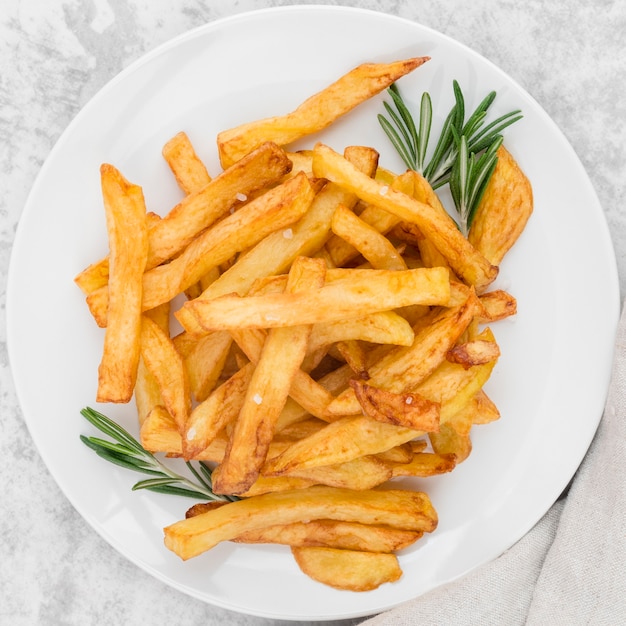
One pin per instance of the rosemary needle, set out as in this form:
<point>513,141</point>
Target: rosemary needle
<point>465,153</point>
<point>127,452</point>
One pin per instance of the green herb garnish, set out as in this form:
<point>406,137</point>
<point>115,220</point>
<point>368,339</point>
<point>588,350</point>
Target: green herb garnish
<point>127,452</point>
<point>465,154</point>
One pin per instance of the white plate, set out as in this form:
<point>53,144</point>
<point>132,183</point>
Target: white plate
<point>550,383</point>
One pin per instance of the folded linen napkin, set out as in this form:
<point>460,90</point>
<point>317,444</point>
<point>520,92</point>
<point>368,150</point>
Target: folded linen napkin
<point>571,567</point>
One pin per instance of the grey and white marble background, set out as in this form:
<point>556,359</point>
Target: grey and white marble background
<point>56,54</point>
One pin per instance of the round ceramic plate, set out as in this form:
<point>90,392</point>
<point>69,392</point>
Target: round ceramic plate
<point>550,383</point>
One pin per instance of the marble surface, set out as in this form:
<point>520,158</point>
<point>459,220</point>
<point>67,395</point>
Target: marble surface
<point>54,56</point>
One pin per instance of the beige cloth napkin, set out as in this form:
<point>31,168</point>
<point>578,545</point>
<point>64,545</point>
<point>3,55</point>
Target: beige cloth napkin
<point>570,568</point>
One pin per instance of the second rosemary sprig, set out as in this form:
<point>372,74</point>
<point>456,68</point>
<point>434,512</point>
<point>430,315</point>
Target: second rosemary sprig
<point>458,157</point>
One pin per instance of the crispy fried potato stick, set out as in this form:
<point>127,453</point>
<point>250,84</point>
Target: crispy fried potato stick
<point>349,570</point>
<point>189,171</point>
<point>503,211</point>
<point>147,390</point>
<point>334,534</point>
<point>408,510</point>
<point>166,366</point>
<point>220,409</point>
<point>281,356</point>
<point>128,243</point>
<point>374,247</point>
<point>315,113</point>
<point>363,294</point>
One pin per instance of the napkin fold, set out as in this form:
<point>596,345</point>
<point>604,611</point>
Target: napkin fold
<point>571,567</point>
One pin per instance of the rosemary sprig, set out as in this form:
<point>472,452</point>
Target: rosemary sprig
<point>457,153</point>
<point>127,452</point>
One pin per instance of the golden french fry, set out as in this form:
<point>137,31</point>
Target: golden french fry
<point>373,246</point>
<point>272,484</point>
<point>268,390</point>
<point>343,440</point>
<point>385,327</point>
<point>166,366</point>
<point>484,409</point>
<point>204,362</point>
<point>362,295</point>
<point>334,534</point>
<point>435,224</point>
<point>365,472</point>
<point>497,305</point>
<point>423,192</point>
<point>504,209</point>
<point>159,433</point>
<point>339,250</point>
<point>349,570</point>
<point>147,390</point>
<point>424,464</point>
<point>304,390</point>
<point>403,409</point>
<point>220,409</point>
<point>408,510</point>
<point>474,352</point>
<point>189,171</point>
<point>400,454</point>
<point>315,113</point>
<point>128,243</point>
<point>449,441</point>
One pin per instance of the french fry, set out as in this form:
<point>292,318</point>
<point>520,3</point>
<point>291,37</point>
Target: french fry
<point>435,224</point>
<point>189,171</point>
<point>147,390</point>
<point>503,211</point>
<point>497,305</point>
<point>315,113</point>
<point>361,473</point>
<point>128,243</point>
<point>385,327</point>
<point>334,534</point>
<point>484,410</point>
<point>349,570</point>
<point>268,390</point>
<point>424,464</point>
<point>408,510</point>
<point>204,362</point>
<point>340,251</point>
<point>403,409</point>
<point>474,352</point>
<point>373,246</point>
<point>449,441</point>
<point>166,366</point>
<point>217,411</point>
<point>332,302</point>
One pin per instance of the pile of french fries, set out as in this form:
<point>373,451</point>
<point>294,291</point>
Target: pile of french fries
<point>334,335</point>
